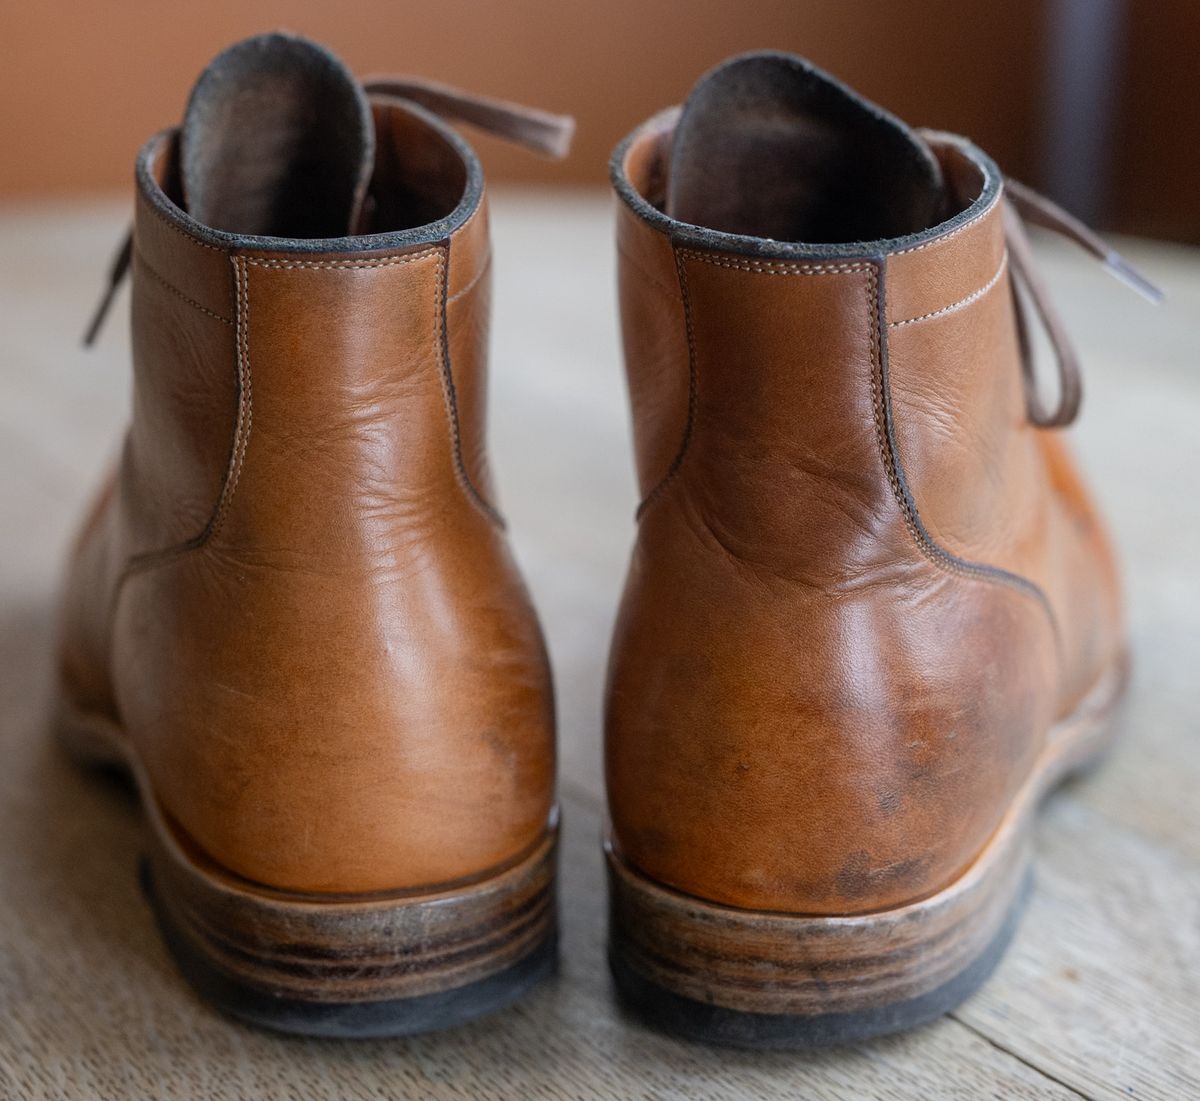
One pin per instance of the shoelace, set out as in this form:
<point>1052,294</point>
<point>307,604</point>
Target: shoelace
<point>538,131</point>
<point>1023,204</point>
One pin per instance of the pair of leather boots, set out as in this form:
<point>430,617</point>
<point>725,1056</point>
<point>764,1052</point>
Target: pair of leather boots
<point>871,614</point>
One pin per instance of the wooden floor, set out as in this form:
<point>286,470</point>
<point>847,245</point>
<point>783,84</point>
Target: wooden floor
<point>1100,996</point>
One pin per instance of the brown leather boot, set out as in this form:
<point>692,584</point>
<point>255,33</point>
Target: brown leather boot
<point>871,615</point>
<point>293,613</point>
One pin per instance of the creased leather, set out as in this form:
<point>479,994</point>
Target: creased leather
<point>817,701</point>
<point>308,626</point>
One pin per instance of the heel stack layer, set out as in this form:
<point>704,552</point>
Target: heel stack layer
<point>339,949</point>
<point>781,980</point>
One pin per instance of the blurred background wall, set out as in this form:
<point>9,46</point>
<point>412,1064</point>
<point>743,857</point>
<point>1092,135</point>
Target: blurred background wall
<point>1097,101</point>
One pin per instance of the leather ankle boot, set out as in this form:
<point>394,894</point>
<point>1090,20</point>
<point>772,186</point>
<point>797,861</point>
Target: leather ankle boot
<point>293,613</point>
<point>871,615</point>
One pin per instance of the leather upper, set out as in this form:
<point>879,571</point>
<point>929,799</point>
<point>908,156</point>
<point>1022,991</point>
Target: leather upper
<point>296,596</point>
<point>864,586</point>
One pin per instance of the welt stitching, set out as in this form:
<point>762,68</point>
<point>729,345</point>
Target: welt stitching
<point>966,300</point>
<point>483,270</point>
<point>883,433</point>
<point>450,396</point>
<point>176,291</point>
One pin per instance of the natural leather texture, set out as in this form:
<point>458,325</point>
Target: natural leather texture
<point>864,586</point>
<point>297,598</point>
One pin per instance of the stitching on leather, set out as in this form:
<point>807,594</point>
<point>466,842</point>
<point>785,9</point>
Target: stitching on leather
<point>450,396</point>
<point>176,291</point>
<point>645,274</point>
<point>245,412</point>
<point>966,300</point>
<point>176,229</point>
<point>245,415</point>
<point>241,435</point>
<point>954,232</point>
<point>483,270</point>
<point>881,401</point>
<point>772,267</point>
<point>693,384</point>
<point>760,267</point>
<point>327,265</point>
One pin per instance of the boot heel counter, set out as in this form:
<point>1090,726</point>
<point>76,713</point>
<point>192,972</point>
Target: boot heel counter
<point>314,741</point>
<point>807,748</point>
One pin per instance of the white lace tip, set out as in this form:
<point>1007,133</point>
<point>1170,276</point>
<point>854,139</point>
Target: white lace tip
<point>1123,270</point>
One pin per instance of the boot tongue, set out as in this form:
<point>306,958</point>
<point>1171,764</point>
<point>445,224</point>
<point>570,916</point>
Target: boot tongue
<point>277,140</point>
<point>769,146</point>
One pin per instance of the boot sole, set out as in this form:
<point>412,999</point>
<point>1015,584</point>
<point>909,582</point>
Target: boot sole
<point>338,966</point>
<point>757,979</point>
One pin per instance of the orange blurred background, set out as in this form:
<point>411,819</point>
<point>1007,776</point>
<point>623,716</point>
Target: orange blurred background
<point>1094,100</point>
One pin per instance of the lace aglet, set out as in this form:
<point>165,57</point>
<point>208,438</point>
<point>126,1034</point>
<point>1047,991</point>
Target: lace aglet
<point>1123,270</point>
<point>556,135</point>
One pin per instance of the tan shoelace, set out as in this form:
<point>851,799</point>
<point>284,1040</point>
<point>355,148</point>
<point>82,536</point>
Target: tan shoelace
<point>538,131</point>
<point>1026,205</point>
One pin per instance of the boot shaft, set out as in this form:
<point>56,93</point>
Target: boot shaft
<point>360,377</point>
<point>808,395</point>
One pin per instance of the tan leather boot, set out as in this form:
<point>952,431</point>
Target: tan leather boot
<point>871,615</point>
<point>293,613</point>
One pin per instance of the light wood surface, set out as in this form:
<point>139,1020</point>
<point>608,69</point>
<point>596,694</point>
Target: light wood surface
<point>1100,996</point>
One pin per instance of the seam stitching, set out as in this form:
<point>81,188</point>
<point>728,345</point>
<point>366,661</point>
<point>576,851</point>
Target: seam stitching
<point>641,270</point>
<point>483,270</point>
<point>761,267</point>
<point>326,265</point>
<point>935,553</point>
<point>693,385</point>
<point>450,395</point>
<point>954,232</point>
<point>176,291</point>
<point>245,417</point>
<point>772,267</point>
<point>145,560</point>
<point>966,300</point>
<point>176,229</point>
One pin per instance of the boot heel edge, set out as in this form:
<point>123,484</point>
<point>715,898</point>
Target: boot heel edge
<point>752,979</point>
<point>376,966</point>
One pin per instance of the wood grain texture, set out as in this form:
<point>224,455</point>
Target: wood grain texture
<point>1099,996</point>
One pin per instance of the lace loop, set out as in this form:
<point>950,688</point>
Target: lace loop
<point>1024,204</point>
<point>538,131</point>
